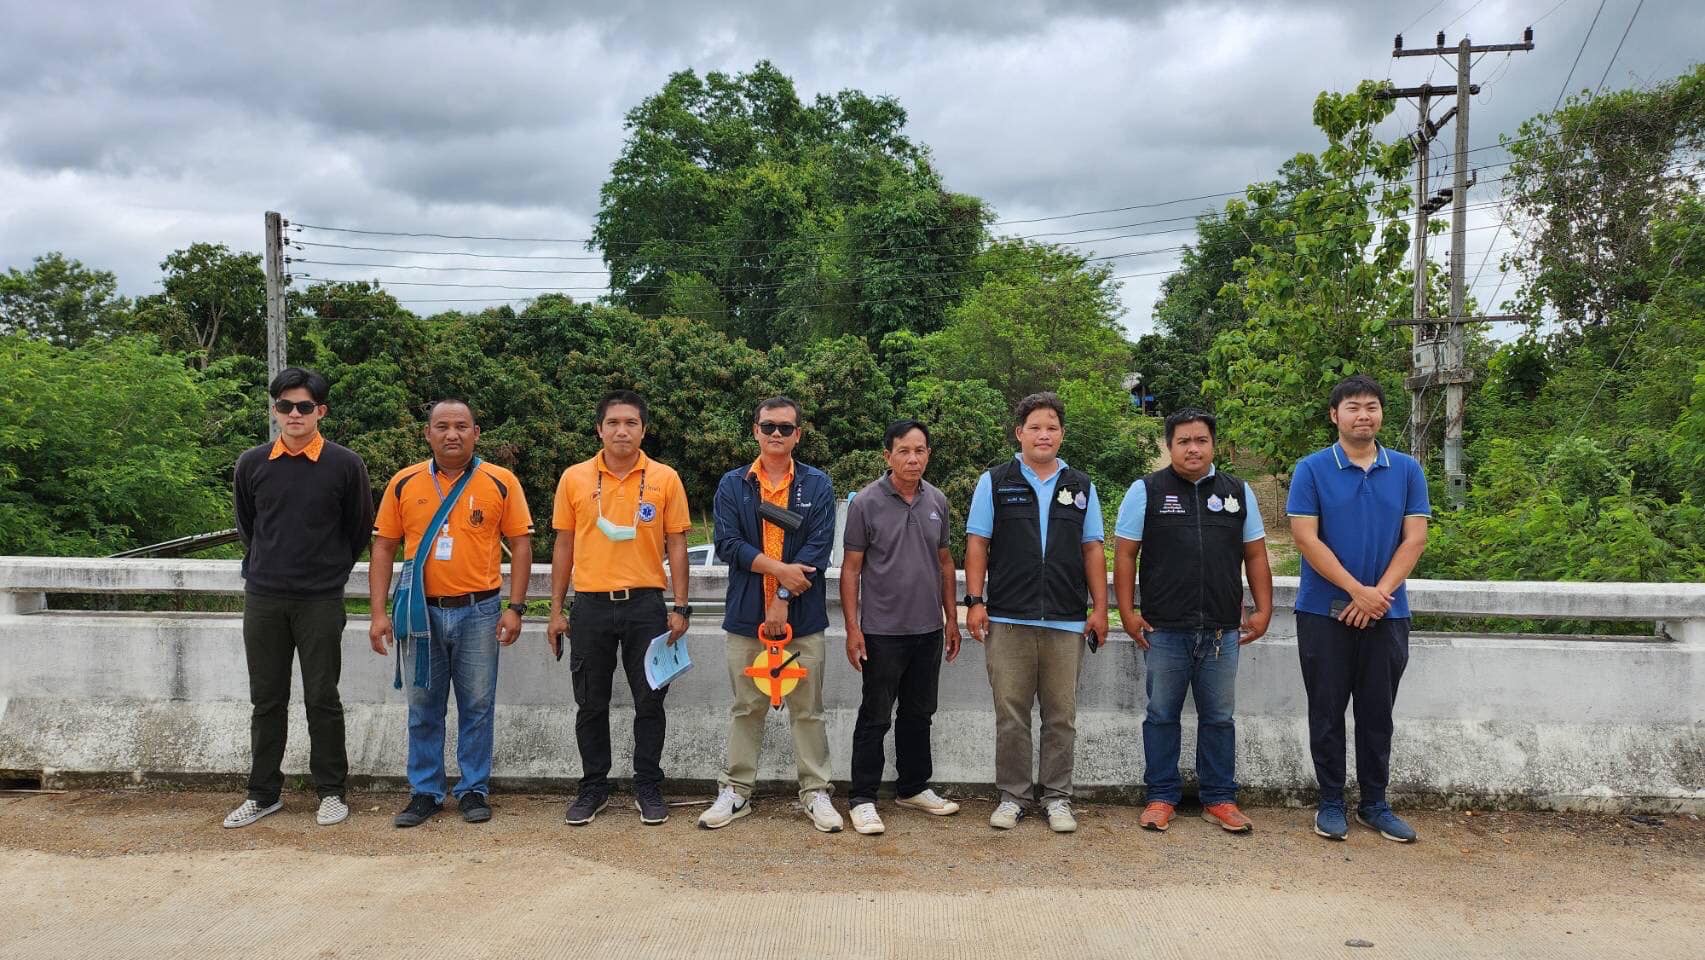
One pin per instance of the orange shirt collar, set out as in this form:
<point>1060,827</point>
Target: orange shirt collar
<point>642,463</point>
<point>311,451</point>
<point>757,470</point>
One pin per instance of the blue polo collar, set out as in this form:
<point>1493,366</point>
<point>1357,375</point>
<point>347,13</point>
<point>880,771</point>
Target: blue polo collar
<point>1382,458</point>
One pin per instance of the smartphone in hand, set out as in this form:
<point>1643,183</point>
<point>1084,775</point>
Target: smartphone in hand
<point>1092,640</point>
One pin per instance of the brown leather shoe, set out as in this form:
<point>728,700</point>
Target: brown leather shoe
<point>1228,817</point>
<point>1156,816</point>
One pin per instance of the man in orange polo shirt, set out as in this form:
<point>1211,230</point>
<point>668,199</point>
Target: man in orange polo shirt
<point>463,575</point>
<point>615,515</point>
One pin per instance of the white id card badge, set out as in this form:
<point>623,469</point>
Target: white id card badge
<point>442,550</point>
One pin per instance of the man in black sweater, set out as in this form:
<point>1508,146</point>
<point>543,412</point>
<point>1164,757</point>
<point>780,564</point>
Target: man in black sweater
<point>304,510</point>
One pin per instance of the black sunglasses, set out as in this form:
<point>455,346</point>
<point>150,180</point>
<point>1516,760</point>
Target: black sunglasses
<point>304,407</point>
<point>785,429</point>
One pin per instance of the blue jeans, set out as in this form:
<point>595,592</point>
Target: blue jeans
<point>1204,662</point>
<point>464,654</point>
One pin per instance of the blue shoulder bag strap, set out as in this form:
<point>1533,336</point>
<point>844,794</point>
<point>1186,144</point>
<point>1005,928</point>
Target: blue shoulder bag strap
<point>408,595</point>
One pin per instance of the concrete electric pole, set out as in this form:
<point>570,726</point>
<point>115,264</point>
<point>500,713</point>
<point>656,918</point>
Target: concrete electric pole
<point>275,362</point>
<point>1439,356</point>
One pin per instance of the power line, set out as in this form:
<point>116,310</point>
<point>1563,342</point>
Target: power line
<point>1571,74</point>
<point>1618,50</point>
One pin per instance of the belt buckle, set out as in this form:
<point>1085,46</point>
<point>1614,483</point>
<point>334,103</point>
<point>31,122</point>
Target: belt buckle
<point>625,593</point>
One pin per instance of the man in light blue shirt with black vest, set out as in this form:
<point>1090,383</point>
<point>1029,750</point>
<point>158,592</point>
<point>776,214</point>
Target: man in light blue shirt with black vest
<point>1359,516</point>
<point>1195,530</point>
<point>1034,531</point>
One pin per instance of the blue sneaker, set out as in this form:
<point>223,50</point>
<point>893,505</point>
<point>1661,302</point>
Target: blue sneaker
<point>1390,825</point>
<point>1329,820</point>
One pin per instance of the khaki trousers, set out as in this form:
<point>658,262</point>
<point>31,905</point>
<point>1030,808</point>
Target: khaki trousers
<point>804,715</point>
<point>1026,665</point>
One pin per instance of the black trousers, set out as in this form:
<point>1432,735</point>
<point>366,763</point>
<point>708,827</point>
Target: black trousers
<point>603,633</point>
<point>275,631</point>
<point>1341,664</point>
<point>900,681</point>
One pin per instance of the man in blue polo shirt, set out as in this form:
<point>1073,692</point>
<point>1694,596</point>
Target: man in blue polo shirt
<point>1359,517</point>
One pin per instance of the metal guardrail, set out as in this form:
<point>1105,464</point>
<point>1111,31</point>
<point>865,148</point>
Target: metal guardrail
<point>194,543</point>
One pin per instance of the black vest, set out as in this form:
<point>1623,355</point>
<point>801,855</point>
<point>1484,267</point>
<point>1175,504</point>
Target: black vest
<point>1191,567</point>
<point>1024,582</point>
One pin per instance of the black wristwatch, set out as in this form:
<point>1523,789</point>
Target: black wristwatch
<point>520,608</point>
<point>972,600</point>
<point>685,610</point>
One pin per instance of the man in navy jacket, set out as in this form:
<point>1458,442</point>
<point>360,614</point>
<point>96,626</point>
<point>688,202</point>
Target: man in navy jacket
<point>775,580</point>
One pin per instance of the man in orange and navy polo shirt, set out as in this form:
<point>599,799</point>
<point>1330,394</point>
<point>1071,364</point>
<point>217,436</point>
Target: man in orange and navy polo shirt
<point>615,515</point>
<point>463,577</point>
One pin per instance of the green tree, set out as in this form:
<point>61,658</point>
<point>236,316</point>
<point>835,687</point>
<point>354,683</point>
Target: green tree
<point>778,220</point>
<point>1040,316</point>
<point>213,304</point>
<point>1594,176</point>
<point>61,301</point>
<point>1319,286</point>
<point>101,448</point>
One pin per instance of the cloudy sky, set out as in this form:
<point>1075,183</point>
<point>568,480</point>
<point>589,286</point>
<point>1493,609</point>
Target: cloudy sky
<point>128,130</point>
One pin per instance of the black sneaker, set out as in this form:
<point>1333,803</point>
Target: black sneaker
<point>474,808</point>
<point>587,806</point>
<point>648,800</point>
<point>419,810</point>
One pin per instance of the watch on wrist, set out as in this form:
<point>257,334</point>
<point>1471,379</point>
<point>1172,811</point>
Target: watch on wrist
<point>519,607</point>
<point>972,600</point>
<point>783,593</point>
<point>684,610</point>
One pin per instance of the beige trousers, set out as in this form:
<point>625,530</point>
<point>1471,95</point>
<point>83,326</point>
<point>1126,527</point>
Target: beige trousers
<point>1026,665</point>
<point>804,715</point>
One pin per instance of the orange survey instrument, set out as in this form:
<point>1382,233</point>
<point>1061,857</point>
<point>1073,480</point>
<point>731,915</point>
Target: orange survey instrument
<point>774,674</point>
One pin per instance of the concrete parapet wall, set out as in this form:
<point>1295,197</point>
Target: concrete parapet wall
<point>1556,723</point>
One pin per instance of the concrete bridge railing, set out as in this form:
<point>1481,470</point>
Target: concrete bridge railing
<point>1486,719</point>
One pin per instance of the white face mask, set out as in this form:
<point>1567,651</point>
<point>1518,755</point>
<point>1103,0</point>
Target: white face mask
<point>613,532</point>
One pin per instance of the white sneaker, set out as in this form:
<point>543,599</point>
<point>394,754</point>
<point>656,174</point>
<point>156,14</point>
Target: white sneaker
<point>332,810</point>
<point>929,802</point>
<point>866,820</point>
<point>1060,818</point>
<point>823,814</point>
<point>248,812</point>
<point>1006,816</point>
<point>727,809</point>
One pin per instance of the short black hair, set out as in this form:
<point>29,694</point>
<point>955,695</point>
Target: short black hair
<point>776,403</point>
<point>625,398</point>
<point>458,401</point>
<point>900,428</point>
<point>1046,400</point>
<point>292,377</point>
<point>1191,415</point>
<point>1358,385</point>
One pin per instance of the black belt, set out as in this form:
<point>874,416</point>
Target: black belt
<point>618,596</point>
<point>462,599</point>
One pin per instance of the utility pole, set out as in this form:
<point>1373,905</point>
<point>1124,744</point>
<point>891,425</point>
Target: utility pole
<point>275,225</point>
<point>1439,353</point>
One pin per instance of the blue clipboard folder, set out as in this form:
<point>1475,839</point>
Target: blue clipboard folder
<point>663,663</point>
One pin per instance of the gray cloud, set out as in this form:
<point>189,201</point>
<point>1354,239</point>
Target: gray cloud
<point>132,129</point>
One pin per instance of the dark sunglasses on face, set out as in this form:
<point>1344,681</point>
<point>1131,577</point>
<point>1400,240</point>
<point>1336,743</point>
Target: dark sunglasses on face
<point>304,407</point>
<point>785,429</point>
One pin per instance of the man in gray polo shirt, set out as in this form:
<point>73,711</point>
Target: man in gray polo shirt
<point>898,592</point>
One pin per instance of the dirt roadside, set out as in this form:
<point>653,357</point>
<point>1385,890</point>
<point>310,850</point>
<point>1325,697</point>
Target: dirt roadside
<point>97,873</point>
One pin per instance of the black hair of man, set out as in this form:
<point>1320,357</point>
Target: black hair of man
<point>1046,400</point>
<point>291,378</point>
<point>432,408</point>
<point>1358,385</point>
<point>1191,415</point>
<point>900,428</point>
<point>776,403</point>
<point>625,398</point>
